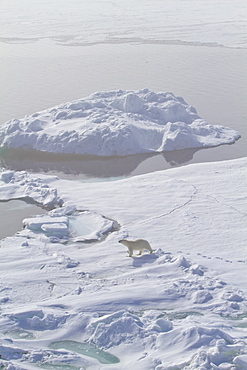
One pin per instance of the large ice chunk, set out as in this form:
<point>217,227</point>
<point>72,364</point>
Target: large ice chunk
<point>116,123</point>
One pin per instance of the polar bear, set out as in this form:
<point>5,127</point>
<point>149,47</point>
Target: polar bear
<point>136,245</point>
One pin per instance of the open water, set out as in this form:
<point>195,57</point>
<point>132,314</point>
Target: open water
<point>38,75</point>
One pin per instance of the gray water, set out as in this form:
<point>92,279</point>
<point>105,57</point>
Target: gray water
<point>35,76</point>
<point>12,214</point>
<point>42,74</point>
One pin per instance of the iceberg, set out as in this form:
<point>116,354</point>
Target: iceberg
<point>116,123</point>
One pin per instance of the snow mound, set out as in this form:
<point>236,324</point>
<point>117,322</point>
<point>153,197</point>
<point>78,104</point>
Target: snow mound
<point>116,123</point>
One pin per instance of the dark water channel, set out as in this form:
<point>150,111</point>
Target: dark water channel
<point>71,166</point>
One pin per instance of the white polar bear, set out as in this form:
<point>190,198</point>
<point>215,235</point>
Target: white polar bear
<point>136,245</point>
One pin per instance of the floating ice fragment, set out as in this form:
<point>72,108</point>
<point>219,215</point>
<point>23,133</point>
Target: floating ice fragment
<point>63,211</point>
<point>21,185</point>
<point>116,123</point>
<point>56,229</point>
<point>39,222</point>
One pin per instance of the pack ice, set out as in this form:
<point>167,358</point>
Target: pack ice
<point>116,123</point>
<point>71,298</point>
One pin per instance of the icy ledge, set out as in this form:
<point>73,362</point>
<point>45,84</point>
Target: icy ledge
<point>116,123</point>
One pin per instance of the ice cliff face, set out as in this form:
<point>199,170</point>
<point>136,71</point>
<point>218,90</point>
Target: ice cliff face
<point>116,123</point>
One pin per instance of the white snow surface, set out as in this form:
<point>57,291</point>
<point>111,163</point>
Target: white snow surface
<point>116,123</point>
<point>67,304</point>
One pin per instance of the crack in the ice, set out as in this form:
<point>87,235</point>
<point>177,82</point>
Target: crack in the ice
<point>192,196</point>
<point>172,210</point>
<point>224,204</point>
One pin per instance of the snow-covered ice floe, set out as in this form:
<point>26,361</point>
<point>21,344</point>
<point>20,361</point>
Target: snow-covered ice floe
<point>61,223</point>
<point>76,305</point>
<point>19,185</point>
<point>116,123</point>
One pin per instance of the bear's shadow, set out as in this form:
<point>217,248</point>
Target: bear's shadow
<point>139,261</point>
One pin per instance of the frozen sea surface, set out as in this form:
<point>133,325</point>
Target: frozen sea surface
<point>183,306</point>
<point>219,22</point>
<point>71,305</point>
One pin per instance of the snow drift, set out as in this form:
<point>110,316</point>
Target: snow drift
<point>116,123</point>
